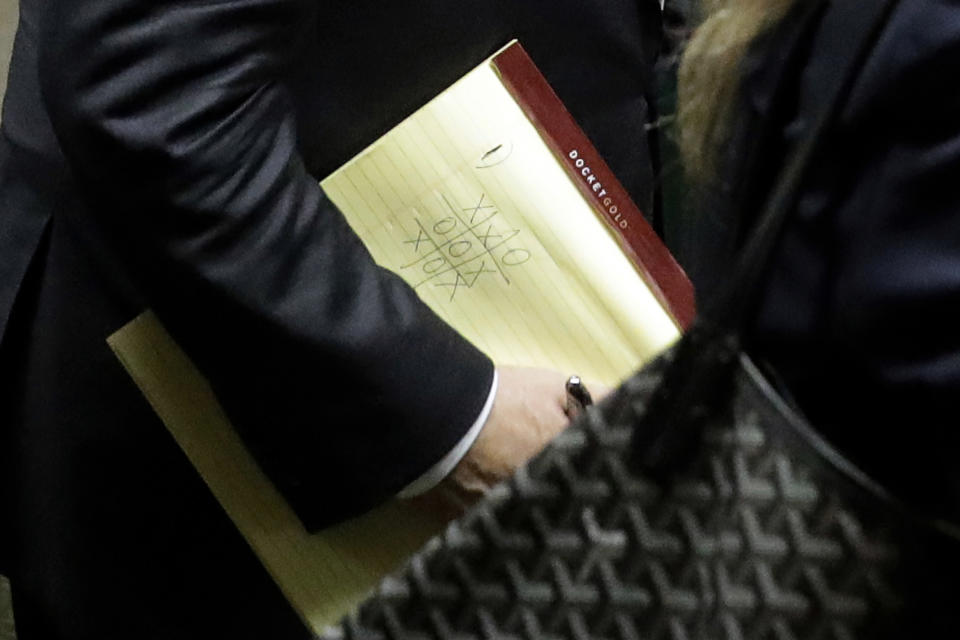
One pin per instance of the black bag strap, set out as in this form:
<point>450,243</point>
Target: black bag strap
<point>699,377</point>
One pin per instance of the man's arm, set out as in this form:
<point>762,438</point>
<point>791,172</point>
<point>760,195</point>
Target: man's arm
<point>181,132</point>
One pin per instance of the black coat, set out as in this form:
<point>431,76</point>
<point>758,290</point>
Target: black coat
<point>165,155</point>
<point>860,310</point>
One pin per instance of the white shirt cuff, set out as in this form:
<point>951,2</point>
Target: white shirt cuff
<point>439,471</point>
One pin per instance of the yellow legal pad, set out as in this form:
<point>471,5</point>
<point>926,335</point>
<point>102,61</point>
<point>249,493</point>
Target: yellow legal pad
<point>322,575</point>
<point>468,202</point>
<point>503,246</point>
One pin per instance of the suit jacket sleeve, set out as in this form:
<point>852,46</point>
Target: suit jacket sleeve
<point>181,132</point>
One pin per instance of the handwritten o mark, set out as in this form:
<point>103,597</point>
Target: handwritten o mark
<point>445,226</point>
<point>459,248</point>
<point>515,257</point>
<point>495,155</point>
<point>434,265</point>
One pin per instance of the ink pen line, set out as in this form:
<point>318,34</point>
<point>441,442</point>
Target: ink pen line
<point>456,267</point>
<point>472,229</point>
<point>439,246</point>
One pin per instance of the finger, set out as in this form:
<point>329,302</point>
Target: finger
<point>599,391</point>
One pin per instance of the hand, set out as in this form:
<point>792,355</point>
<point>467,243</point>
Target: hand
<point>528,412</point>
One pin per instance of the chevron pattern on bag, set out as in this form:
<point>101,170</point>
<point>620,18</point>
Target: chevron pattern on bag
<point>745,544</point>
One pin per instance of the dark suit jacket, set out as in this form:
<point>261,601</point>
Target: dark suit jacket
<point>165,154</point>
<point>860,311</point>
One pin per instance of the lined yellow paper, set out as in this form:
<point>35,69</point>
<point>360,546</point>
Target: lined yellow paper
<point>322,575</point>
<point>466,202</point>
